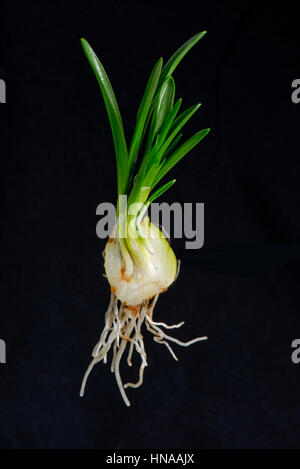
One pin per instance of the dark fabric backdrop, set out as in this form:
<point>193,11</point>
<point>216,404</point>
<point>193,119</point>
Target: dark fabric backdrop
<point>239,389</point>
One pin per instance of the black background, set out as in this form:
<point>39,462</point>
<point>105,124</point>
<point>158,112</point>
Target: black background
<point>239,389</point>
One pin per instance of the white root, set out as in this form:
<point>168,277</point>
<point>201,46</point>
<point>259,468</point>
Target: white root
<point>160,341</point>
<point>130,353</point>
<point>121,328</point>
<point>183,344</point>
<point>174,326</point>
<point>141,378</point>
<point>139,345</point>
<point>108,324</point>
<point>112,366</point>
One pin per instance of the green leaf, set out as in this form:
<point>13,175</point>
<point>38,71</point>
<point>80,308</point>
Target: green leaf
<point>168,122</point>
<point>177,126</point>
<point>160,191</point>
<point>147,172</point>
<point>143,113</point>
<point>178,56</point>
<point>163,107</point>
<point>113,115</point>
<point>152,166</point>
<point>175,60</point>
<point>171,147</point>
<point>184,117</point>
<point>175,157</point>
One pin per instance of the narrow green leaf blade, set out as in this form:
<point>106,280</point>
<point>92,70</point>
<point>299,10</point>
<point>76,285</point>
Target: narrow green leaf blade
<point>143,112</point>
<point>177,126</point>
<point>168,122</point>
<point>160,191</point>
<point>152,166</point>
<point>163,107</point>
<point>165,104</point>
<point>171,147</point>
<point>113,115</point>
<point>184,117</point>
<point>178,154</point>
<point>178,56</point>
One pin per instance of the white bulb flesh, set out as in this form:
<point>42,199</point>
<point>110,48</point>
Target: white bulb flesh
<point>148,278</point>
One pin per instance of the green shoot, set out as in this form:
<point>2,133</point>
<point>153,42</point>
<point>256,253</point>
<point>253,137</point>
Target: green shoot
<point>114,117</point>
<point>143,112</point>
<point>156,120</point>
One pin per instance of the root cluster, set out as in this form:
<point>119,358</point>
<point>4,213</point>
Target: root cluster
<point>123,327</point>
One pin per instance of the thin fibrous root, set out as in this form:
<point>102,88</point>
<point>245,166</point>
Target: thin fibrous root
<point>160,341</point>
<point>179,342</point>
<point>121,329</point>
<point>130,353</point>
<point>141,378</point>
<point>173,326</point>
